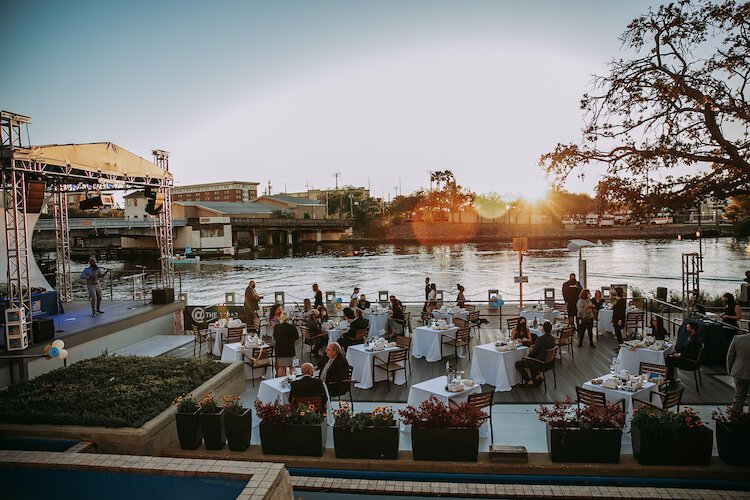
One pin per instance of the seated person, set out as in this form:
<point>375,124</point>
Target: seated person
<point>307,305</point>
<point>323,314</point>
<point>657,328</point>
<point>535,357</point>
<point>687,355</point>
<point>334,370</point>
<point>358,323</point>
<point>307,385</point>
<point>521,333</point>
<point>397,321</point>
<point>314,327</point>
<point>363,303</point>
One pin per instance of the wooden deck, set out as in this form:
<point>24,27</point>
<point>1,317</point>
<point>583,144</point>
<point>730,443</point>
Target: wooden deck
<point>587,364</point>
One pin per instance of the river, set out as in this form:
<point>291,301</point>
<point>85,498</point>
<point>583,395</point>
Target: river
<point>401,269</point>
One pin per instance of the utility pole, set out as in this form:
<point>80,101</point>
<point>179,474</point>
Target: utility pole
<point>337,175</point>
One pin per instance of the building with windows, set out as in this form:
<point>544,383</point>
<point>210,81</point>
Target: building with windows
<point>135,207</point>
<point>229,191</point>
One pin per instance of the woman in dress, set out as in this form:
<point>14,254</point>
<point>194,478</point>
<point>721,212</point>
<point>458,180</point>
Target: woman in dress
<point>732,311</point>
<point>657,328</point>
<point>461,299</point>
<point>432,298</point>
<point>521,332</point>
<point>285,337</point>
<point>585,309</point>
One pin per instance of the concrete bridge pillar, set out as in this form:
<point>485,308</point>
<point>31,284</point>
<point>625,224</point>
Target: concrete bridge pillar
<point>270,238</point>
<point>289,238</point>
<point>255,239</point>
<point>319,236</point>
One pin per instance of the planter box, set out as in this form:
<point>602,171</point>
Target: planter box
<point>584,445</point>
<point>189,430</point>
<point>691,449</point>
<point>370,442</point>
<point>459,445</point>
<point>733,445</point>
<point>212,427</point>
<point>305,440</point>
<point>238,428</point>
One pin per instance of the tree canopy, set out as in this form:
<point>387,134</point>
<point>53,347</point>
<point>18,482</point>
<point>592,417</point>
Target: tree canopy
<point>671,124</point>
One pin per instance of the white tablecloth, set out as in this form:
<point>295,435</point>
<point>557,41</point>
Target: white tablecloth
<point>271,389</point>
<point>489,366</point>
<point>218,333</point>
<point>540,316</point>
<point>448,317</point>
<point>334,334</point>
<point>361,362</point>
<point>378,321</point>
<point>233,352</point>
<point>436,386</point>
<point>630,360</point>
<point>644,394</point>
<point>426,343</point>
<point>605,321</point>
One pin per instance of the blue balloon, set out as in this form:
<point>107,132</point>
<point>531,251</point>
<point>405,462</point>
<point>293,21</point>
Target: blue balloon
<point>499,303</point>
<point>339,300</point>
<point>493,298</point>
<point>53,352</point>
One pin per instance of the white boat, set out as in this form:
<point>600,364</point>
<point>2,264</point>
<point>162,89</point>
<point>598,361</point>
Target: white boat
<point>183,259</point>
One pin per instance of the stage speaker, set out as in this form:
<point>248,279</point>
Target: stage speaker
<point>661,293</point>
<point>43,330</point>
<point>91,203</point>
<point>154,201</point>
<point>162,295</point>
<point>35,196</point>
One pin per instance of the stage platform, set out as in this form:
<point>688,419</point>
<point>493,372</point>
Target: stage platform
<point>122,324</point>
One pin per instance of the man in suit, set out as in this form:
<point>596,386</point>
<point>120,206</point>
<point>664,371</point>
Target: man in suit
<point>686,355</point>
<point>571,290</point>
<point>535,357</point>
<point>738,366</point>
<point>355,325</point>
<point>307,385</point>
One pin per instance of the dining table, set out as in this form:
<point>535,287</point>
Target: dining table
<point>644,394</point>
<point>378,321</point>
<point>277,388</point>
<point>361,359</point>
<point>496,367</point>
<point>632,357</point>
<point>448,315</point>
<point>426,342</point>
<point>540,316</point>
<point>234,351</point>
<point>219,333</point>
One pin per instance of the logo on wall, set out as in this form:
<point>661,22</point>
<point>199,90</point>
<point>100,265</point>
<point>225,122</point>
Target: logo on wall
<point>198,315</point>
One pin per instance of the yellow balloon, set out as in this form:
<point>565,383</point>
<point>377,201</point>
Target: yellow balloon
<point>47,348</point>
<point>338,306</point>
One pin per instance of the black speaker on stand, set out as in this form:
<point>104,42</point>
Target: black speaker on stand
<point>661,293</point>
<point>43,330</point>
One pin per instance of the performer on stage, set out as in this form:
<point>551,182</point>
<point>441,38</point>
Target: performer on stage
<point>91,276</point>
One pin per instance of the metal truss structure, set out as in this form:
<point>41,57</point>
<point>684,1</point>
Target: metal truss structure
<point>17,168</point>
<point>691,269</point>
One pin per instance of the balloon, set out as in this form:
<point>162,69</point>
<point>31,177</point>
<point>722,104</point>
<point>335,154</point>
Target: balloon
<point>499,303</point>
<point>58,343</point>
<point>63,354</point>
<point>53,352</point>
<point>47,348</point>
<point>339,300</point>
<point>493,298</point>
<point>338,306</point>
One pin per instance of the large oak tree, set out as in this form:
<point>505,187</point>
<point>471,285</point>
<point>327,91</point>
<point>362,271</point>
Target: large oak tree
<point>670,122</point>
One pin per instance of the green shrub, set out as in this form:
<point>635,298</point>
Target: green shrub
<point>107,391</point>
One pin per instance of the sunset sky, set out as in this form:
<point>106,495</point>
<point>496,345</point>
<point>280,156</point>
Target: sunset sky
<point>292,92</point>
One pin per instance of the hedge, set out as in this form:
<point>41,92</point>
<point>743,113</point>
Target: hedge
<point>107,391</point>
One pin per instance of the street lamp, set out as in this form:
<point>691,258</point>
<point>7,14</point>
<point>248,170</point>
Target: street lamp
<point>700,250</point>
<point>578,246</point>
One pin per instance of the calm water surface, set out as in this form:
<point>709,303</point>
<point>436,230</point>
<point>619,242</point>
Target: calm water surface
<point>401,269</point>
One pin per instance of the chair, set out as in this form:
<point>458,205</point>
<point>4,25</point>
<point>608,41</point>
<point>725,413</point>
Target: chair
<point>470,307</point>
<point>474,319</point>
<point>257,358</point>
<point>234,335</point>
<point>310,340</point>
<point>595,398</point>
<point>669,399</point>
<point>426,318</point>
<point>317,401</point>
<point>634,322</point>
<point>566,338</point>
<point>405,343</point>
<point>480,401</point>
<point>546,365</point>
<point>461,340</point>
<point>348,389</point>
<point>694,365</point>
<point>513,322</point>
<point>460,322</point>
<point>360,336</point>
<point>654,369</point>
<point>407,319</point>
<point>201,337</point>
<point>562,308</point>
<point>391,365</point>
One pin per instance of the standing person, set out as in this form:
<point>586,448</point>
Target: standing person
<point>427,289</point>
<point>91,276</point>
<point>354,298</point>
<point>618,313</point>
<point>732,310</point>
<point>571,290</point>
<point>686,355</point>
<point>461,299</point>
<point>738,366</point>
<point>285,337</point>
<point>274,315</point>
<point>318,299</point>
<point>432,298</point>
<point>251,304</point>
<point>585,309</point>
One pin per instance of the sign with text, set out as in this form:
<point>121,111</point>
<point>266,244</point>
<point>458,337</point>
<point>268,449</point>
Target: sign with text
<point>522,279</point>
<point>520,244</point>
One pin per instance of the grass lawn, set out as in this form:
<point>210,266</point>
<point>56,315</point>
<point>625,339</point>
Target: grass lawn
<point>107,391</point>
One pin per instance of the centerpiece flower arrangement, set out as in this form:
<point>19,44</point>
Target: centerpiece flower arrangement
<point>732,435</point>
<point>440,432</point>
<point>285,430</point>
<point>366,434</point>
<point>212,424</point>
<point>670,438</point>
<point>188,424</point>
<point>237,422</point>
<point>591,434</point>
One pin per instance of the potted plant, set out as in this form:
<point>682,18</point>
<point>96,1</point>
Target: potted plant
<point>237,422</point>
<point>592,434</point>
<point>366,434</point>
<point>667,438</point>
<point>212,425</point>
<point>733,435</point>
<point>442,433</point>
<point>290,431</point>
<point>188,423</point>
